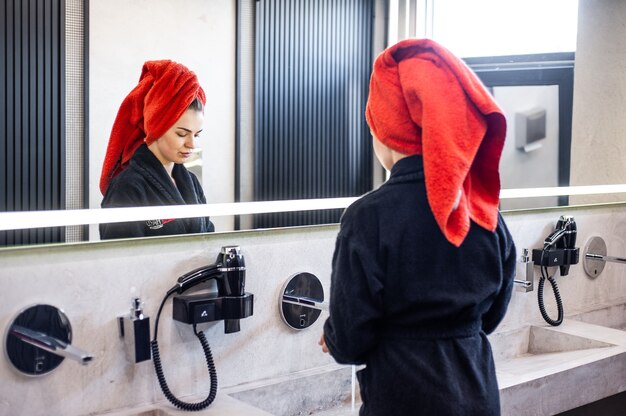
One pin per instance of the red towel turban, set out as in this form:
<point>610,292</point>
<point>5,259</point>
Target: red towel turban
<point>424,100</point>
<point>165,91</point>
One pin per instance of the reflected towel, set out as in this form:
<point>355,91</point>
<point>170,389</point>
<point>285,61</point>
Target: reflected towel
<point>164,92</point>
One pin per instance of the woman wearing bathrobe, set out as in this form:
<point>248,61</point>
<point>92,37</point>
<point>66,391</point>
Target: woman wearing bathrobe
<point>423,266</point>
<point>155,132</point>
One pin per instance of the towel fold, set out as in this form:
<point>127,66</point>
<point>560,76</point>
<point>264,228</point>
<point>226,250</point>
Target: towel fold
<point>424,100</point>
<point>164,92</point>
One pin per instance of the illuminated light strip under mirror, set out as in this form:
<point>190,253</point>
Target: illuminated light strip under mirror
<point>37,219</point>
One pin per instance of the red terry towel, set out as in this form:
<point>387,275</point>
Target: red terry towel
<point>424,100</point>
<point>165,91</point>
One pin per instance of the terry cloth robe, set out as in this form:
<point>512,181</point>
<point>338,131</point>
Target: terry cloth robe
<point>413,307</point>
<point>146,183</point>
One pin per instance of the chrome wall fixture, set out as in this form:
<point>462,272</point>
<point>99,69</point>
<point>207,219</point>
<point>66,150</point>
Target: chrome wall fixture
<point>301,301</point>
<point>39,339</point>
<point>595,257</point>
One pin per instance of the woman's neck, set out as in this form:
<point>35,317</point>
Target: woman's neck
<point>167,165</point>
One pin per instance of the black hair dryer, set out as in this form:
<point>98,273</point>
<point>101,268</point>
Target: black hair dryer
<point>559,248</point>
<point>231,302</point>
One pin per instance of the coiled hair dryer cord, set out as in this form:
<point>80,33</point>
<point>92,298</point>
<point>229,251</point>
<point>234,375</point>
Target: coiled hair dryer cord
<point>557,295</point>
<point>156,358</point>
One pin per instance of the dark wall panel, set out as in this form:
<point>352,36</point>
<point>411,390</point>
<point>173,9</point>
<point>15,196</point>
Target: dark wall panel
<point>32,87</point>
<point>313,62</point>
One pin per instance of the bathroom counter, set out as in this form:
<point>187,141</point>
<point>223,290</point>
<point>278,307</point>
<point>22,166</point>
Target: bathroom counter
<point>541,370</point>
<point>577,364</point>
<point>223,405</point>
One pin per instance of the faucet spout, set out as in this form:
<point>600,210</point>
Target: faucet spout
<point>51,344</point>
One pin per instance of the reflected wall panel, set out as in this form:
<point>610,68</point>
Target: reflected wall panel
<point>312,68</point>
<point>32,171</point>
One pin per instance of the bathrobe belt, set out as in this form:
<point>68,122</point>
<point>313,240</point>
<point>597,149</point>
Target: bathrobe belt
<point>467,329</point>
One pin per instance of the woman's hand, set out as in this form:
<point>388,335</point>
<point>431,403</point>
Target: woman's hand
<point>322,342</point>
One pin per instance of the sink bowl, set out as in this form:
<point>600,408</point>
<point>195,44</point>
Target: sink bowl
<point>322,391</point>
<point>541,370</point>
<point>531,351</point>
<point>154,412</point>
<point>610,317</point>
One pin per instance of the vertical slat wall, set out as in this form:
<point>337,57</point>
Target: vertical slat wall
<point>32,170</point>
<point>313,62</point>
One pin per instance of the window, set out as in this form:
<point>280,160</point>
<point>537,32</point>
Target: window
<point>488,27</point>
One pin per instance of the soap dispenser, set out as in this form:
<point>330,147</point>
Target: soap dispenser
<point>134,328</point>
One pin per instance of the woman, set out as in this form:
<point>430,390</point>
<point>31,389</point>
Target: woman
<point>423,266</point>
<point>153,135</point>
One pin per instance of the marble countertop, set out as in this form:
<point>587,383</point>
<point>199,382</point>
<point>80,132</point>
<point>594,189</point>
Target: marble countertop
<point>567,376</point>
<point>223,405</point>
<point>557,369</point>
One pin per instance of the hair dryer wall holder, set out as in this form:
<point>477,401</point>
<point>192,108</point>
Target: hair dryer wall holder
<point>556,257</point>
<point>209,307</point>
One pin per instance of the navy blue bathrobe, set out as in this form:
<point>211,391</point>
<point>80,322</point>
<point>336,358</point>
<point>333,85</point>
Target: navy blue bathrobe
<point>414,308</point>
<point>145,182</point>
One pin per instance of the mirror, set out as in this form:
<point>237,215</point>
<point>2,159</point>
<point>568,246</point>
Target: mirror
<point>206,38</point>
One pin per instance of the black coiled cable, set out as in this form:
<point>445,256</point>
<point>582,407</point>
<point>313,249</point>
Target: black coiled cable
<point>156,359</point>
<point>557,295</point>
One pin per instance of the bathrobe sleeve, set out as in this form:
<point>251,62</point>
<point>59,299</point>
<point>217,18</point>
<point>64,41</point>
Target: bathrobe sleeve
<point>133,195</point>
<point>496,313</point>
<point>356,298</point>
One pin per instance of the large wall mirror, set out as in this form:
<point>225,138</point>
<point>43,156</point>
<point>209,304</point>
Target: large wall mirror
<point>286,83</point>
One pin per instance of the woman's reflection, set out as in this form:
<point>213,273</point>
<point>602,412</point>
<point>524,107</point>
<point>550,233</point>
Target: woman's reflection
<point>153,135</point>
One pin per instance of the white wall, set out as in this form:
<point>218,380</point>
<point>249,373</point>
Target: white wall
<point>200,34</point>
<point>599,116</point>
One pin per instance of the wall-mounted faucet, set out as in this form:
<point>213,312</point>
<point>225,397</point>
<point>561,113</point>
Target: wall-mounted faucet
<point>51,344</point>
<point>39,339</point>
<point>595,257</point>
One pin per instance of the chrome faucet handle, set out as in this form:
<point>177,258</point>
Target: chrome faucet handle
<point>305,301</point>
<point>51,344</point>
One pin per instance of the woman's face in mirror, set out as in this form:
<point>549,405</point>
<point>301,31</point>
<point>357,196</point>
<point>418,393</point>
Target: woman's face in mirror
<point>177,144</point>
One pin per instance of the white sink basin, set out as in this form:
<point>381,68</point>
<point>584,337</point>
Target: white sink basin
<point>154,412</point>
<point>542,369</point>
<point>324,391</point>
<point>532,351</point>
<point>610,317</point>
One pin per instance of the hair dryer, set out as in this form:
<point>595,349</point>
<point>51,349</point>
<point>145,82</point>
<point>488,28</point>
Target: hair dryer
<point>558,250</point>
<point>231,302</point>
<point>563,237</point>
<point>229,270</point>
